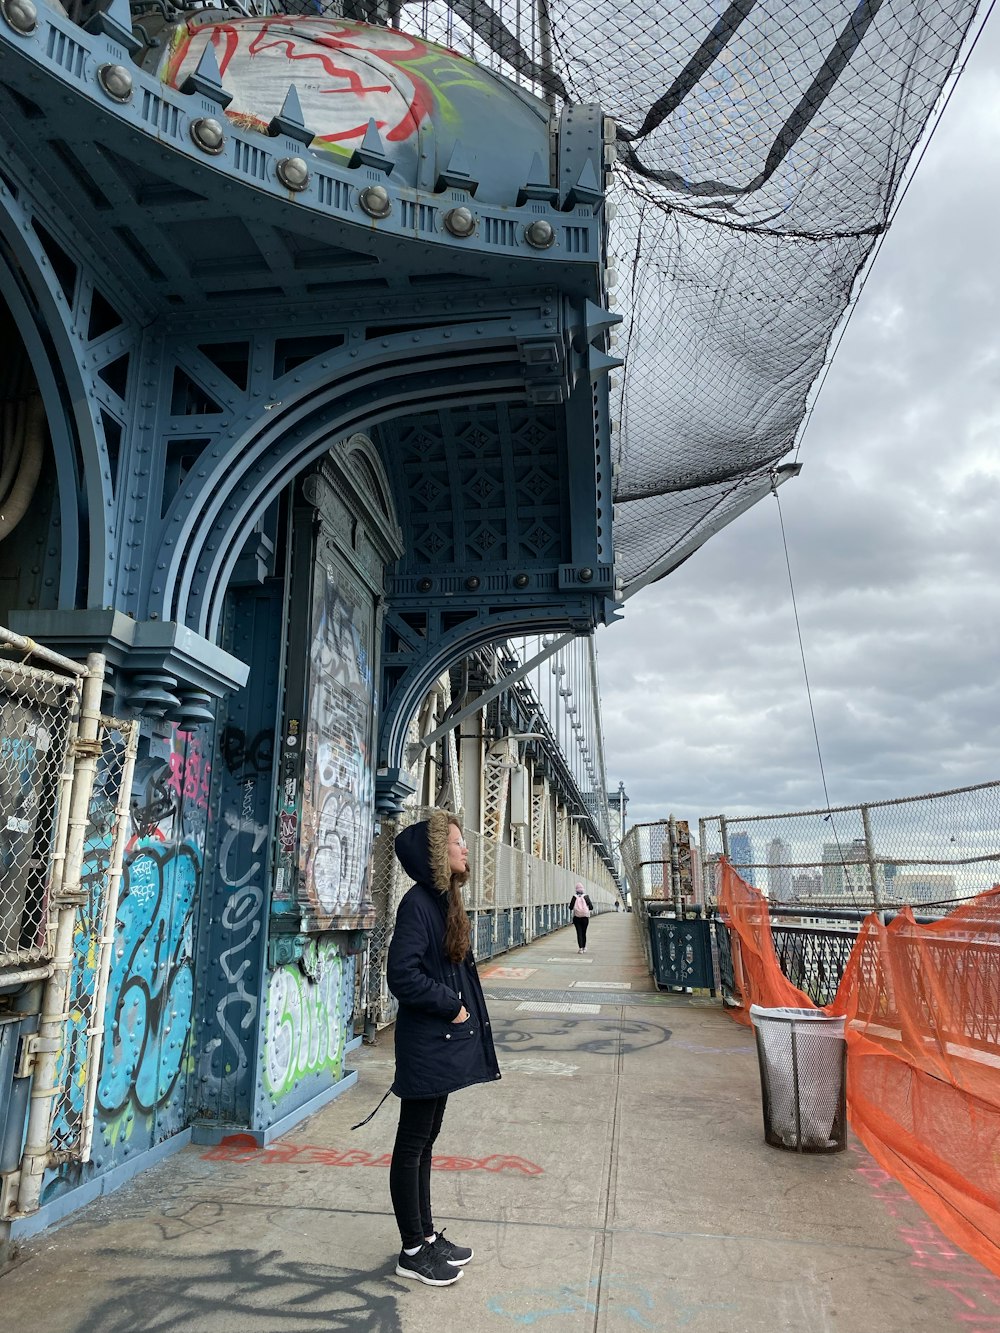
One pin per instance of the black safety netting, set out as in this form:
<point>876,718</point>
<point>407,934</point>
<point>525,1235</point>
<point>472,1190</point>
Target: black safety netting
<point>759,149</point>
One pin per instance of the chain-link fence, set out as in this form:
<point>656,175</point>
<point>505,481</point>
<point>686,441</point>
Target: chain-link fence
<point>657,861</point>
<point>38,709</point>
<point>65,781</point>
<point>512,897</point>
<point>928,851</point>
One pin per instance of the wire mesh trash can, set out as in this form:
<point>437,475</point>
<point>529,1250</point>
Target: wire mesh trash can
<point>803,1063</point>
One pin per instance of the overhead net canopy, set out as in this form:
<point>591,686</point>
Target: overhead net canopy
<point>760,147</point>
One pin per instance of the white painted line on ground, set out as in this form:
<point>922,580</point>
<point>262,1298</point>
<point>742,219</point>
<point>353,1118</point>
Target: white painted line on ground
<point>542,1006</point>
<point>524,1064</point>
<point>569,958</point>
<point>602,985</point>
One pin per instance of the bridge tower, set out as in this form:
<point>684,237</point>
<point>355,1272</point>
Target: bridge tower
<point>305,398</point>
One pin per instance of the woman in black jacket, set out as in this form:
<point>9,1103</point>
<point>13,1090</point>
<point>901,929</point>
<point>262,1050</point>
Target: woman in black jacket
<point>443,1037</point>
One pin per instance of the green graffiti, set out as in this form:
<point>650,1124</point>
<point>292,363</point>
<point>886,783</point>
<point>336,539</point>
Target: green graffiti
<point>306,1028</point>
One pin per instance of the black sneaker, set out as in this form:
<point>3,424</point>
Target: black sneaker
<point>455,1254</point>
<point>428,1265</point>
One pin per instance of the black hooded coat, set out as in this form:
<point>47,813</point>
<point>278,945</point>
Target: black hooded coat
<point>434,1055</point>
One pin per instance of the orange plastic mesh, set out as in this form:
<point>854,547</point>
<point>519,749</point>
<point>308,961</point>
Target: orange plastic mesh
<point>922,1005</point>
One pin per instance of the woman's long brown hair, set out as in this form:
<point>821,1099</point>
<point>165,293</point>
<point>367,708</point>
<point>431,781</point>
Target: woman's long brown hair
<point>457,930</point>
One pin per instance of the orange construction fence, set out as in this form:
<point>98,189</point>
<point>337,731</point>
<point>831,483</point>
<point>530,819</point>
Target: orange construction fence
<point>922,1005</point>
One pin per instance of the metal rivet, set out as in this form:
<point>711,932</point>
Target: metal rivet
<point>424,585</point>
<point>208,134</point>
<point>293,172</point>
<point>374,199</point>
<point>21,15</point>
<point>540,234</point>
<point>472,583</point>
<point>116,82</point>
<point>586,574</point>
<point>460,221</point>
<point>520,580</point>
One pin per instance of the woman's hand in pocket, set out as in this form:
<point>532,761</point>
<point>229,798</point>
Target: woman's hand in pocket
<point>461,1016</point>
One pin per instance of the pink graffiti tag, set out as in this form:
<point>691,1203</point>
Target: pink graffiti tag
<point>943,1264</point>
<point>189,776</point>
<point>244,1148</point>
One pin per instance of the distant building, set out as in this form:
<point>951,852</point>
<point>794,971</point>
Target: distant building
<point>741,854</point>
<point>917,886</point>
<point>697,877</point>
<point>779,874</point>
<point>807,884</point>
<point>840,880</point>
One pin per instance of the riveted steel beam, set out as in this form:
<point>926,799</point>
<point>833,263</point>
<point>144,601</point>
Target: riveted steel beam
<point>240,302</point>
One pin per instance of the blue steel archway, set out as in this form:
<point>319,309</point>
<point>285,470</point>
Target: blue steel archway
<point>218,327</point>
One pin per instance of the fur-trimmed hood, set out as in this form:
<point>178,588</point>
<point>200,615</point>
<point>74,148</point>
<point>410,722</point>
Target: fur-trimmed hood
<point>422,850</point>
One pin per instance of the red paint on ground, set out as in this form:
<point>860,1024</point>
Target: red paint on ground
<point>941,1263</point>
<point>244,1148</point>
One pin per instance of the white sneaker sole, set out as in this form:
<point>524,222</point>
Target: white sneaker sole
<point>428,1281</point>
<point>457,1263</point>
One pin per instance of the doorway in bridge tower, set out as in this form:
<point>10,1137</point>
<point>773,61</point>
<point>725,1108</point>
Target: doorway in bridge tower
<point>322,910</point>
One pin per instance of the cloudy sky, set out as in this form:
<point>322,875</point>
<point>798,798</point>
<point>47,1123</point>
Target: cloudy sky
<point>894,533</point>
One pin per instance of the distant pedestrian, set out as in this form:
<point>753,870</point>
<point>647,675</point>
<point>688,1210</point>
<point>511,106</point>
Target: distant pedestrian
<point>581,907</point>
<point>618,906</point>
<point>443,1036</point>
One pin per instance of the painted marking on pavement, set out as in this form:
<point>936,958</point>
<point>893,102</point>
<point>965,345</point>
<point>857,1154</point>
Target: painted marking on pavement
<point>244,1148</point>
<point>509,973</point>
<point>569,958</point>
<point>539,1006</point>
<point>603,985</point>
<point>524,1064</point>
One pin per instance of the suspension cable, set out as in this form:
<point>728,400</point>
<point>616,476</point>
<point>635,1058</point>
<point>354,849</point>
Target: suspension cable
<point>812,709</point>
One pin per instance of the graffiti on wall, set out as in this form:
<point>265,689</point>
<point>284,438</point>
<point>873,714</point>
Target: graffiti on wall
<point>151,987</point>
<point>286,869</point>
<point>308,1010</point>
<point>337,785</point>
<point>242,861</point>
<point>150,990</point>
<point>346,74</point>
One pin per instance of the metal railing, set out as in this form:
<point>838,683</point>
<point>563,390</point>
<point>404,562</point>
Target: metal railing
<point>813,959</point>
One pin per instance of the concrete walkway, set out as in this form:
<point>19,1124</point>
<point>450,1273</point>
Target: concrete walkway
<point>615,1179</point>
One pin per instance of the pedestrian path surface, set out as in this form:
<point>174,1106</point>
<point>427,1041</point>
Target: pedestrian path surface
<point>615,1179</point>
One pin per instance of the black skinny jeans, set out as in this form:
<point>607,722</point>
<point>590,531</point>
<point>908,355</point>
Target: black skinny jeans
<point>410,1171</point>
<point>581,923</point>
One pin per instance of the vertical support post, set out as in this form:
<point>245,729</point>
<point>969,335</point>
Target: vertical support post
<point>106,943</point>
<point>48,1044</point>
<point>724,831</point>
<point>872,864</point>
<point>675,869</point>
<point>703,863</point>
